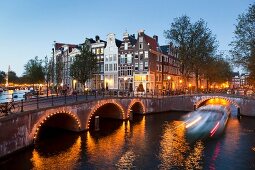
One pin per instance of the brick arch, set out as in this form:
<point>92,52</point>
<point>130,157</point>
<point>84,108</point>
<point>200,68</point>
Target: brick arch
<point>133,102</point>
<point>47,116</point>
<point>101,104</point>
<point>197,104</point>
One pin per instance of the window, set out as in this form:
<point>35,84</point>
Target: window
<point>102,50</point>
<point>110,67</point>
<point>136,56</point>
<point>122,59</point>
<point>129,71</point>
<point>136,66</point>
<point>141,66</point>
<point>115,67</point>
<point>98,51</point>
<point>93,50</point>
<point>101,67</point>
<point>126,46</point>
<point>106,58</point>
<point>114,57</point>
<point>129,58</point>
<point>110,57</point>
<point>141,56</point>
<point>146,54</point>
<point>141,46</point>
<point>146,65</point>
<point>106,67</point>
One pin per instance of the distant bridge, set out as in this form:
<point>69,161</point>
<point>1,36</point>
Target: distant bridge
<point>22,129</point>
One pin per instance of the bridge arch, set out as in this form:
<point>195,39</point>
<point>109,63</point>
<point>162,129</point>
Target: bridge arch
<point>136,106</point>
<point>106,108</point>
<point>62,119</point>
<point>203,100</point>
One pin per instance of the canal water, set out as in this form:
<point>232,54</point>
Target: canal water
<point>8,96</point>
<point>155,141</point>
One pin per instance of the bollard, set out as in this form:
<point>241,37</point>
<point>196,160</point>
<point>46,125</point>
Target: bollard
<point>52,104</point>
<point>37,101</point>
<point>131,115</point>
<point>238,112</point>
<point>97,123</point>
<point>195,108</point>
<point>21,106</point>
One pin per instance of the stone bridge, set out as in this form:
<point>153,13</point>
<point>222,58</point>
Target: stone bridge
<point>22,129</point>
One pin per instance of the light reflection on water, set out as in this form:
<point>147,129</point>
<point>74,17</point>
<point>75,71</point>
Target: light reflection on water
<point>67,159</point>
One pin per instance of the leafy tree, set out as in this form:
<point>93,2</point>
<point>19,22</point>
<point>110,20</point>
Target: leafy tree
<point>196,45</point>
<point>219,70</point>
<point>2,77</point>
<point>243,45</point>
<point>34,71</point>
<point>84,65</point>
<point>179,33</point>
<point>12,77</point>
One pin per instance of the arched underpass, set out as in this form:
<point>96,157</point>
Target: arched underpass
<point>55,124</point>
<point>109,112</point>
<point>137,107</point>
<point>234,107</point>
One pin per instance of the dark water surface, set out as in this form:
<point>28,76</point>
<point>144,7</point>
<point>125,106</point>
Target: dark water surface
<point>154,141</point>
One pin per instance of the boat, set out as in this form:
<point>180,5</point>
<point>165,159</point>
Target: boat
<point>207,121</point>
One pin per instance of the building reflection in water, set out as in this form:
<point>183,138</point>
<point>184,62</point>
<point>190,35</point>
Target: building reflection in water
<point>66,159</point>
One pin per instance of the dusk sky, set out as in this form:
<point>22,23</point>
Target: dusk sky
<point>29,27</point>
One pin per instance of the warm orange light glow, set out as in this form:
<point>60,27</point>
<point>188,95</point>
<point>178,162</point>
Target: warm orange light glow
<point>168,77</point>
<point>189,84</point>
<point>180,81</point>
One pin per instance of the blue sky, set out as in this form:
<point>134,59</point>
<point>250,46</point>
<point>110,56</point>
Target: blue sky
<point>29,27</point>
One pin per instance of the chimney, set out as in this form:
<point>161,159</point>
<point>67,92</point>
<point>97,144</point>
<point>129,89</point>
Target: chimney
<point>141,31</point>
<point>155,37</point>
<point>97,38</point>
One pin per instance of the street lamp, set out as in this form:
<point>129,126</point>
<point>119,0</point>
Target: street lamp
<point>169,78</point>
<point>125,79</point>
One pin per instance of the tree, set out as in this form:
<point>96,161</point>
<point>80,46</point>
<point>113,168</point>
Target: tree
<point>12,77</point>
<point>179,33</point>
<point>34,71</point>
<point>2,77</point>
<point>84,65</point>
<point>243,45</point>
<point>196,44</point>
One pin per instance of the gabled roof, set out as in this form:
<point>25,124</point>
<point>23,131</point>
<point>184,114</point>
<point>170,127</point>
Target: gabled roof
<point>153,43</point>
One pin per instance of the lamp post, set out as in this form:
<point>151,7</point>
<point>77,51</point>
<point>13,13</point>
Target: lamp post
<point>125,79</point>
<point>169,88</point>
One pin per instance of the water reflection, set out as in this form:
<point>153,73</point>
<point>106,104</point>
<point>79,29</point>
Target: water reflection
<point>173,145</point>
<point>65,159</point>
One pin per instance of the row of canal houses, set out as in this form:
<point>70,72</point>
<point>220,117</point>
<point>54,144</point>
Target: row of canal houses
<point>127,64</point>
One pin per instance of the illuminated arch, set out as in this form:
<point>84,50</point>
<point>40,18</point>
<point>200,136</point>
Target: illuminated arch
<point>198,103</point>
<point>48,116</point>
<point>134,101</point>
<point>100,105</point>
